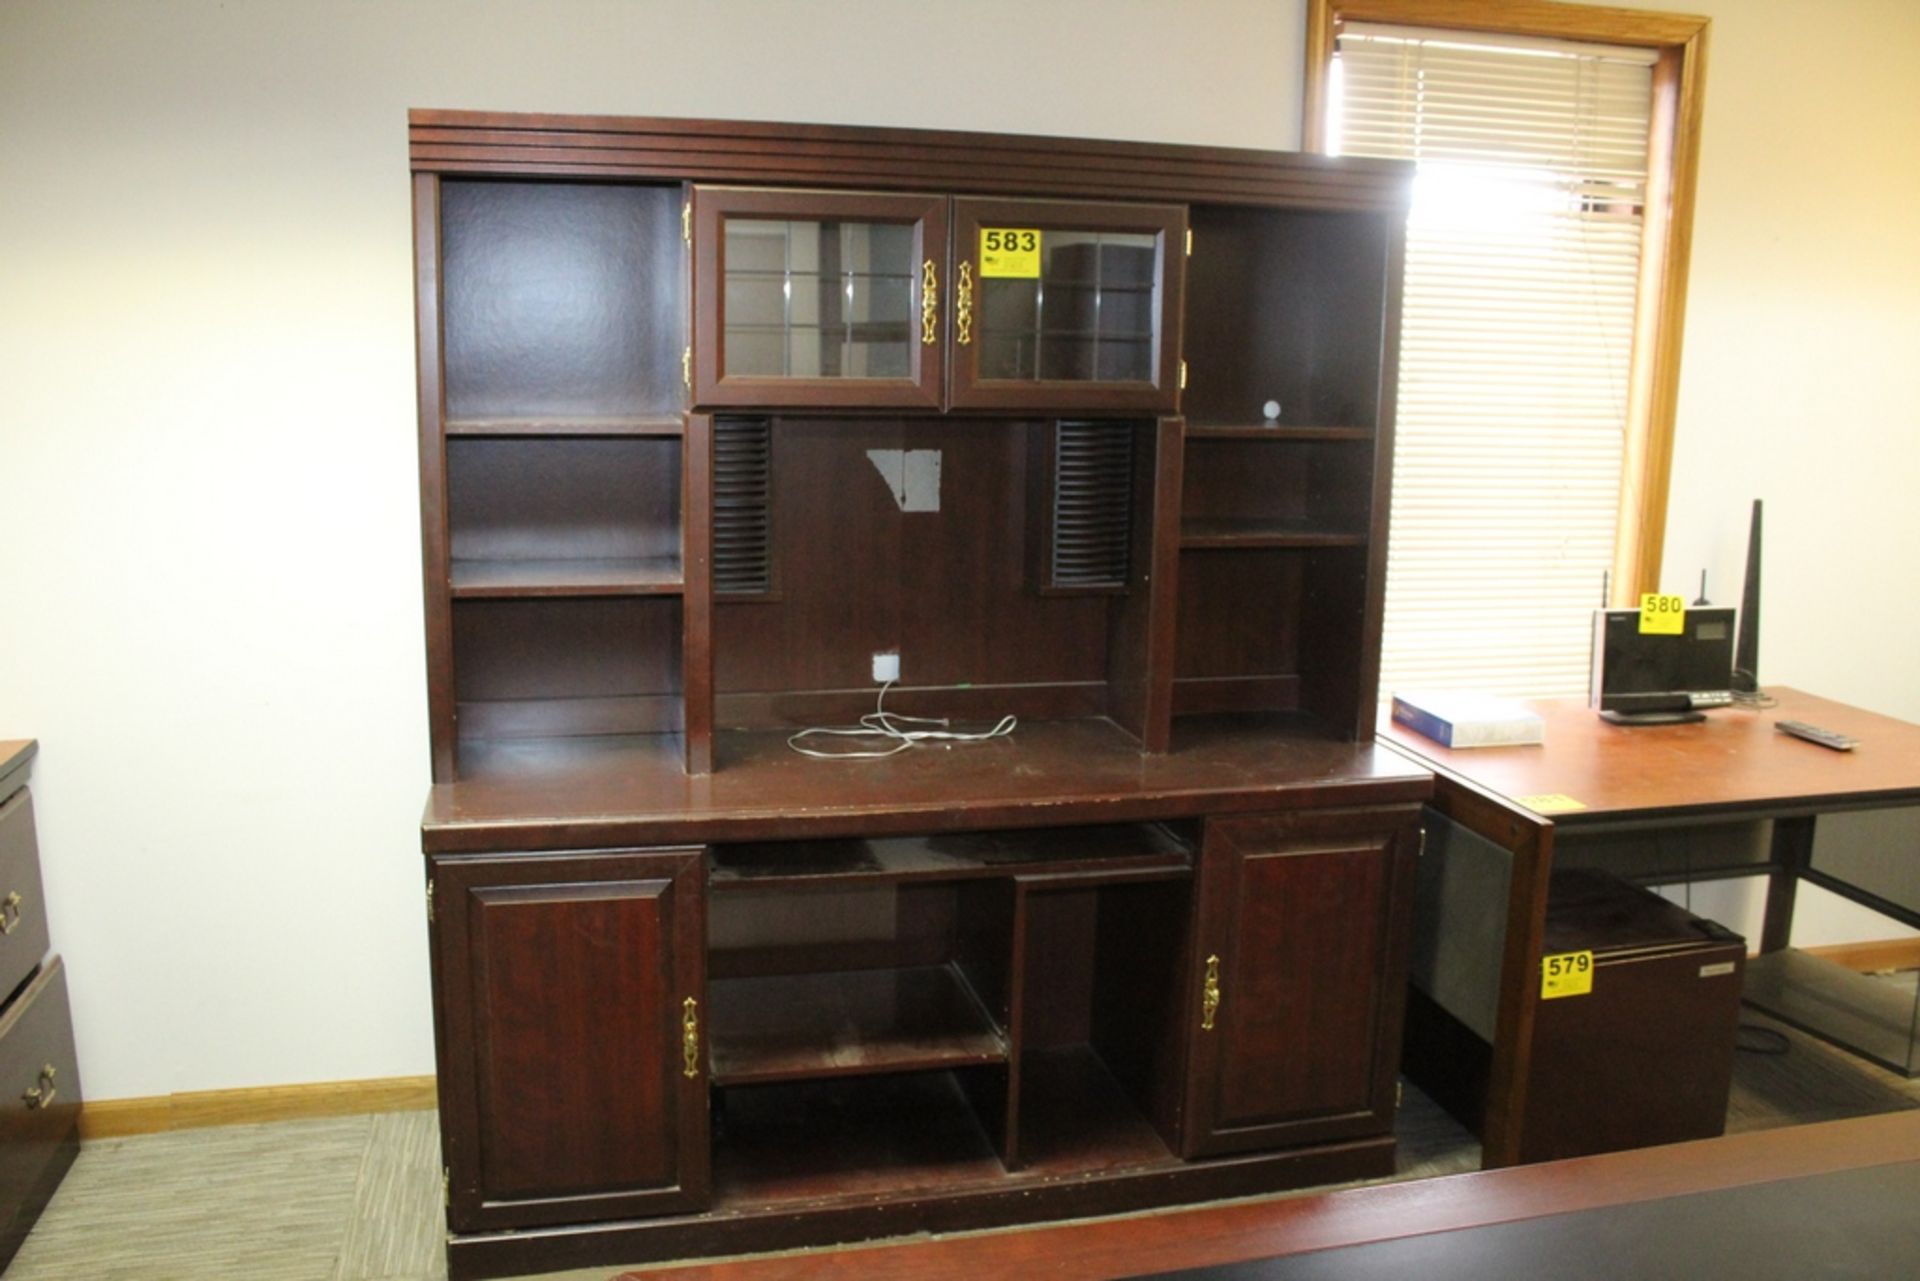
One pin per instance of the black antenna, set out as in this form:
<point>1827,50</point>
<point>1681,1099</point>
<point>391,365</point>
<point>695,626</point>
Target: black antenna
<point>1703,591</point>
<point>1746,650</point>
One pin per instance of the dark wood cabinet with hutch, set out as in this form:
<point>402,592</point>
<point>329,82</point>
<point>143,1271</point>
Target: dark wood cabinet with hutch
<point>1094,434</point>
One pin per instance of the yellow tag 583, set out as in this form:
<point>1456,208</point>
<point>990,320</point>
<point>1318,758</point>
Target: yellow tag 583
<point>1662,615</point>
<point>1010,253</point>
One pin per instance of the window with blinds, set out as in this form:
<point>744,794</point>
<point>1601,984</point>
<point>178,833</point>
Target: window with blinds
<point>1517,341</point>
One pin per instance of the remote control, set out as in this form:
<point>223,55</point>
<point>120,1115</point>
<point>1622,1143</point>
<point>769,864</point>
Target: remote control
<point>1814,734</point>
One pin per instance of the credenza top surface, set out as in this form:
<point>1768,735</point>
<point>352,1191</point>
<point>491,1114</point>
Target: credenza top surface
<point>601,792</point>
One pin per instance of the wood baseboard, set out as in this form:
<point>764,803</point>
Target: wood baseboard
<point>110,1118</point>
<point>1882,954</point>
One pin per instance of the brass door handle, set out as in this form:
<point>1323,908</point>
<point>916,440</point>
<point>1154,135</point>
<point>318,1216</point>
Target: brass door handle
<point>41,1095</point>
<point>929,304</point>
<point>10,911</point>
<point>963,305</point>
<point>1210,994</point>
<point>690,1036</point>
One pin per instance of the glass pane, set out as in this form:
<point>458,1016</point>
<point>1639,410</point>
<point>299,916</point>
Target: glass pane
<point>1007,356</point>
<point>819,299</point>
<point>1090,317</point>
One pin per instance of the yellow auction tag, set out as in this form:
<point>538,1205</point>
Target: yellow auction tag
<point>1551,803</point>
<point>1567,974</point>
<point>1662,615</point>
<point>1011,253</point>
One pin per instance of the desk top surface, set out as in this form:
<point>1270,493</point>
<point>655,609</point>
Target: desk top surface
<point>1735,759</point>
<point>15,753</point>
<point>588,793</point>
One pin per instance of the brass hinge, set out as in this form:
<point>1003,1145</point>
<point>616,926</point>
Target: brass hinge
<point>686,368</point>
<point>686,223</point>
<point>1399,1093</point>
<point>1183,375</point>
<point>1423,842</point>
<point>1189,242</point>
<point>429,900</point>
<point>446,1186</point>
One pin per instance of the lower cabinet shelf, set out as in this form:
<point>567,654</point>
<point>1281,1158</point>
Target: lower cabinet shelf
<point>788,1027</point>
<point>935,1036</point>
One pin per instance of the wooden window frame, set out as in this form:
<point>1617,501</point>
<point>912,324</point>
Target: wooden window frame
<point>1679,88</point>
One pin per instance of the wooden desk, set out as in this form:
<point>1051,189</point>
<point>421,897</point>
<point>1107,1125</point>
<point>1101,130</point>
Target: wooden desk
<point>1737,797</point>
<point>1428,1216</point>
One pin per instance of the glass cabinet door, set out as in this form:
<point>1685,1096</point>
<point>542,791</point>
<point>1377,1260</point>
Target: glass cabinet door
<point>817,298</point>
<point>1066,305</point>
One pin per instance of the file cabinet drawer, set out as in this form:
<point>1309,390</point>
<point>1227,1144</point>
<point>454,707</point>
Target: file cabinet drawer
<point>39,1102</point>
<point>23,917</point>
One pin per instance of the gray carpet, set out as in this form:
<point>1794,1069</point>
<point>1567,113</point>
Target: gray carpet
<point>358,1198</point>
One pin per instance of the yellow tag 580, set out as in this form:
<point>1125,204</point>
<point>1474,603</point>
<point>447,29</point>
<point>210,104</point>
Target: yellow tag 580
<point>1010,253</point>
<point>1662,615</point>
<point>1566,974</point>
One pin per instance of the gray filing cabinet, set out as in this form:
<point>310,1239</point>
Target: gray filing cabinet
<point>39,1081</point>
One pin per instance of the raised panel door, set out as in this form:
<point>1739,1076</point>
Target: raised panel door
<point>573,1078</point>
<point>1298,974</point>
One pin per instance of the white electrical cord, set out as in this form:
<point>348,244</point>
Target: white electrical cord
<point>883,724</point>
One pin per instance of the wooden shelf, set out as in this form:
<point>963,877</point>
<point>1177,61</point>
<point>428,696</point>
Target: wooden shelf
<point>1277,432</point>
<point>1214,533</point>
<point>791,1027</point>
<point>626,576</point>
<point>641,425</point>
<point>1124,849</point>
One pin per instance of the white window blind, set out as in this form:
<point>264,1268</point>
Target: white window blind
<point>1522,264</point>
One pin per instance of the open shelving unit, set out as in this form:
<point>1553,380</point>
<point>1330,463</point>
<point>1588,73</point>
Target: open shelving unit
<point>1096,435</point>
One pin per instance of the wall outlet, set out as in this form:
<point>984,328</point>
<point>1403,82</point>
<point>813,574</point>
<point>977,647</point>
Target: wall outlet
<point>886,667</point>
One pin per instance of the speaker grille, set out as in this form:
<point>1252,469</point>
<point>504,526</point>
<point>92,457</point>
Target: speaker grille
<point>1092,504</point>
<point>742,493</point>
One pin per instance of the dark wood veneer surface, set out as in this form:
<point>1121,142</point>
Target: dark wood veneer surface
<point>1120,848</point>
<point>563,793</point>
<point>926,159</point>
<point>784,1027</point>
<point>1269,1228</point>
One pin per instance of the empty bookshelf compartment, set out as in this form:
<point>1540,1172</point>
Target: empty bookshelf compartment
<point>857,978</point>
<point>1276,493</point>
<point>1286,309</point>
<point>564,303</point>
<point>564,517</point>
<point>563,667</point>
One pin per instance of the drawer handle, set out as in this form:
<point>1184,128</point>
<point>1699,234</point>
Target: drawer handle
<point>41,1095</point>
<point>10,911</point>
<point>963,310</point>
<point>690,1037</point>
<point>929,303</point>
<point>1210,994</point>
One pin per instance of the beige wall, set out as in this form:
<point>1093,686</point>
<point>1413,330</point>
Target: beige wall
<point>1800,383</point>
<point>210,611</point>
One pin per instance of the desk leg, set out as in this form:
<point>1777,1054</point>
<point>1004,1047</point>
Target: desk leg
<point>1507,1076</point>
<point>1792,847</point>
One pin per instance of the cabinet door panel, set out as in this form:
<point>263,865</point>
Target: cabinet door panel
<point>822,298</point>
<point>1067,305</point>
<point>1302,953</point>
<point>565,983</point>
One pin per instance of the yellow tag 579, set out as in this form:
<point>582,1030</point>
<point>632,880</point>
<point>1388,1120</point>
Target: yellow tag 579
<point>1566,974</point>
